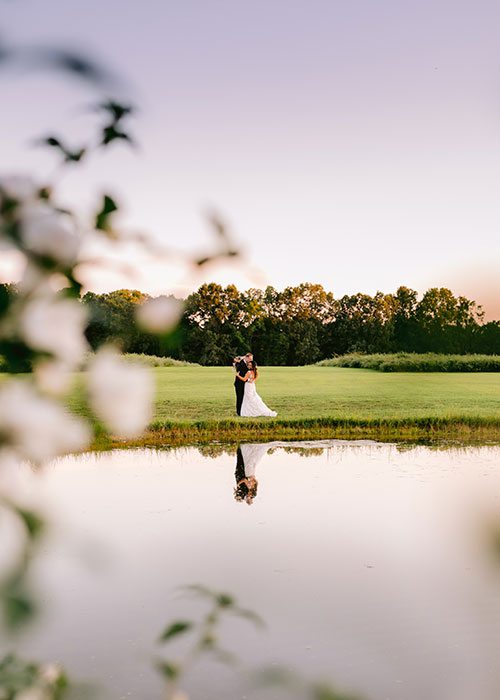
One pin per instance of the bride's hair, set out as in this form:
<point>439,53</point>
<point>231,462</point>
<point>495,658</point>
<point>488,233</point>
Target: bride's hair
<point>244,492</point>
<point>253,367</point>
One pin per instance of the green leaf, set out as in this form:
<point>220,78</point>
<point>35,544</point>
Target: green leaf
<point>110,133</point>
<point>175,629</point>
<point>5,299</point>
<point>224,600</point>
<point>198,589</point>
<point>277,676</point>
<point>208,641</point>
<point>33,523</point>
<point>69,156</point>
<point>169,670</point>
<point>250,616</point>
<point>70,62</point>
<point>326,692</point>
<point>52,141</point>
<point>224,657</point>
<point>18,609</point>
<point>75,156</point>
<point>102,219</point>
<point>116,109</point>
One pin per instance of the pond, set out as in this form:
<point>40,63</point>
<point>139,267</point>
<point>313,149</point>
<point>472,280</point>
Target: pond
<point>371,565</point>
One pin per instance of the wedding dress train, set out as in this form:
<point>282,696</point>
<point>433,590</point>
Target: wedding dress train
<point>253,405</point>
<point>251,454</point>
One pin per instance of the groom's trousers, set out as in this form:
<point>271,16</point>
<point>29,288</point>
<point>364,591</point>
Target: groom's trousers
<point>239,387</point>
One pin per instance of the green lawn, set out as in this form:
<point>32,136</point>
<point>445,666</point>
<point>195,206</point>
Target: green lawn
<point>207,393</point>
<point>197,404</point>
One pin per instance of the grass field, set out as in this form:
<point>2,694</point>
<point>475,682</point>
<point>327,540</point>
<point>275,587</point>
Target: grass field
<point>202,393</point>
<point>326,401</point>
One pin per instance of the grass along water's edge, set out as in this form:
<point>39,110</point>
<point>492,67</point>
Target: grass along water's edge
<point>465,430</point>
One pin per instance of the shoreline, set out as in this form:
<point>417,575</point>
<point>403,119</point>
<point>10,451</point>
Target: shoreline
<point>455,430</point>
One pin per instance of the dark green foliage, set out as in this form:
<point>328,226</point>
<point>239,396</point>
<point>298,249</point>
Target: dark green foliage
<point>102,220</point>
<point>6,296</point>
<point>325,692</point>
<point>175,629</point>
<point>18,676</point>
<point>301,325</point>
<point>204,637</point>
<point>168,669</point>
<point>18,609</point>
<point>32,522</point>
<point>113,129</point>
<point>413,362</point>
<point>69,156</point>
<point>112,318</point>
<point>298,326</point>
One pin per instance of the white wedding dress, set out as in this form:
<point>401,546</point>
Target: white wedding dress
<point>252,453</point>
<point>253,405</point>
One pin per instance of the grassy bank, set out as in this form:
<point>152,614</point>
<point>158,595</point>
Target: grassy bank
<point>197,404</point>
<point>455,430</point>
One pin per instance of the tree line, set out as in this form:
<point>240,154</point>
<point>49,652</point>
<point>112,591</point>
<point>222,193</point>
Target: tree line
<point>297,326</point>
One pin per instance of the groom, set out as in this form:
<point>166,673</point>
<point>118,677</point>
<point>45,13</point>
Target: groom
<point>241,367</point>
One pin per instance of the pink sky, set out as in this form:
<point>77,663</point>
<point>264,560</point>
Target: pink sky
<point>356,145</point>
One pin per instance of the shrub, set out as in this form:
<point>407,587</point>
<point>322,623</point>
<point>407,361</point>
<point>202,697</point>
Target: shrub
<point>413,362</point>
<point>154,361</point>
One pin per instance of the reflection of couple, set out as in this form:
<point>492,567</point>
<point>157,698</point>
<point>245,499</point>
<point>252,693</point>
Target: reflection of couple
<point>247,458</point>
<point>248,402</point>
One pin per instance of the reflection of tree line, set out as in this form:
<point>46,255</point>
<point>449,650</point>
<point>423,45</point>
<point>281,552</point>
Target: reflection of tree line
<point>213,451</point>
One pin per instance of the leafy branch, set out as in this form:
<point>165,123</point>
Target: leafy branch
<point>205,633</point>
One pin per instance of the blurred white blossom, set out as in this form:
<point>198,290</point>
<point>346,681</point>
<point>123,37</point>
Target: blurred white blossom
<point>34,693</point>
<point>34,280</point>
<point>36,427</point>
<point>53,377</point>
<point>121,393</point>
<point>47,232</point>
<point>51,673</point>
<point>21,188</point>
<point>55,325</point>
<point>159,315</point>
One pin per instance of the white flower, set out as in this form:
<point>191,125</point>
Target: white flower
<point>33,693</point>
<point>53,377</point>
<point>57,326</point>
<point>121,394</point>
<point>51,673</point>
<point>36,427</point>
<point>47,232</point>
<point>159,315</point>
<point>36,280</point>
<point>22,188</point>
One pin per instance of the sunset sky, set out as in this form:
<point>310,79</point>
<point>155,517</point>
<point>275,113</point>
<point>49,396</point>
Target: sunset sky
<point>352,144</point>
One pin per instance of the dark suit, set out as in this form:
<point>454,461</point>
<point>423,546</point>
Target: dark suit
<point>241,369</point>
<point>239,474</point>
<point>241,490</point>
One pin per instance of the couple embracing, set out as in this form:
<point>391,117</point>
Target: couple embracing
<point>248,402</point>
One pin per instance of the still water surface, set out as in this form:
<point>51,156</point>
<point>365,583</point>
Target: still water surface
<point>369,563</point>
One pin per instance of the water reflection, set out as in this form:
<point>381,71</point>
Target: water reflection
<point>247,458</point>
<point>249,455</point>
<point>246,483</point>
<point>368,563</point>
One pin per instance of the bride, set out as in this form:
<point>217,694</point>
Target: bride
<point>253,405</point>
